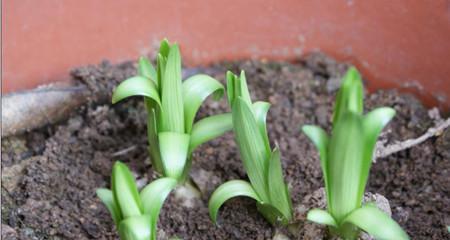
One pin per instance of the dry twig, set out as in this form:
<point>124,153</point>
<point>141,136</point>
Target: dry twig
<point>384,151</point>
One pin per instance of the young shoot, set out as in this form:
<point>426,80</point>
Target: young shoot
<point>172,106</point>
<point>261,163</point>
<point>345,158</point>
<point>135,214</point>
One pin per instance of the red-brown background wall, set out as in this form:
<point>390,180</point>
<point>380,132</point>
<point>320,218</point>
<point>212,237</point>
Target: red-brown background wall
<point>401,43</point>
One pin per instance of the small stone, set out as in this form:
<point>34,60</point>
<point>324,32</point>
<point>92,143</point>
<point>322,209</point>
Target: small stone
<point>380,201</point>
<point>203,179</point>
<point>280,236</point>
<point>187,195</point>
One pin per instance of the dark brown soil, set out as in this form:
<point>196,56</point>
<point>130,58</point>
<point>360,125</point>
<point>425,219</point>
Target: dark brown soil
<point>50,175</point>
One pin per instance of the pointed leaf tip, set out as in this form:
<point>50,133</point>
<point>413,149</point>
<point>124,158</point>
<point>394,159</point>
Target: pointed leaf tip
<point>350,95</point>
<point>125,191</point>
<point>106,196</point>
<point>172,94</point>
<point>146,69</point>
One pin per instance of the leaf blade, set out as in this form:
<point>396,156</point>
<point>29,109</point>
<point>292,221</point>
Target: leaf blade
<point>230,88</point>
<point>164,48</point>
<point>195,90</point>
<point>125,191</point>
<point>279,195</point>
<point>260,110</point>
<point>373,124</point>
<point>321,217</point>
<point>209,128</point>
<point>320,140</point>
<point>350,95</point>
<point>153,197</point>
<point>251,146</point>
<point>136,228</point>
<point>243,88</point>
<point>152,137</point>
<point>344,165</point>
<point>171,93</point>
<point>272,214</point>
<point>107,198</point>
<point>174,152</point>
<point>375,222</point>
<point>227,191</point>
<point>146,69</point>
<point>136,86</point>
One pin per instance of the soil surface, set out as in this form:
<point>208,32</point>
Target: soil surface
<point>50,174</point>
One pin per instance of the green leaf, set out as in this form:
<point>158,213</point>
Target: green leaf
<point>237,87</point>
<point>272,214</point>
<point>230,87</point>
<point>350,95</point>
<point>209,128</point>
<point>147,70</point>
<point>375,222</point>
<point>321,217</point>
<point>107,198</point>
<point>153,197</point>
<point>227,191</point>
<point>172,95</point>
<point>195,90</point>
<point>251,146</point>
<point>243,89</point>
<point>161,69</point>
<point>373,123</point>
<point>279,196</point>
<point>152,136</point>
<point>155,193</point>
<point>164,48</point>
<point>260,110</point>
<point>174,152</point>
<point>125,191</point>
<point>136,228</point>
<point>136,86</point>
<point>320,139</point>
<point>345,165</point>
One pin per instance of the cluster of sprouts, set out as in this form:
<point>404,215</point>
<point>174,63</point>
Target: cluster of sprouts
<point>345,155</point>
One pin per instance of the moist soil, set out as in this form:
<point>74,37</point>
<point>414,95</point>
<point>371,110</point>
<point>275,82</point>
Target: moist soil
<point>50,174</point>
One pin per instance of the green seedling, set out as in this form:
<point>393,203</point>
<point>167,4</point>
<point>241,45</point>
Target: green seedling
<point>135,214</point>
<point>262,164</point>
<point>172,106</point>
<point>345,159</point>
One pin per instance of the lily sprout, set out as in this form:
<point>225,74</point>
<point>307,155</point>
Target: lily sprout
<point>172,105</point>
<point>345,158</point>
<point>261,163</point>
<point>135,214</point>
